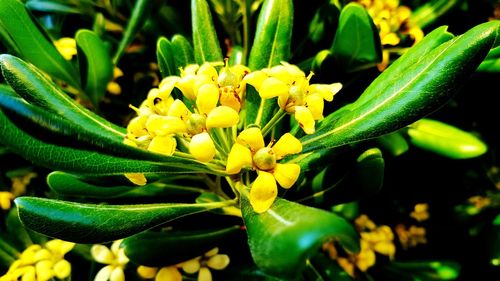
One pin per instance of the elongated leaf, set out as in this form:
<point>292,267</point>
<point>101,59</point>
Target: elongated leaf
<point>369,171</point>
<point>71,185</point>
<point>445,140</point>
<point>165,57</point>
<point>395,143</point>
<point>426,270</point>
<point>32,45</point>
<point>271,46</point>
<point>96,68</point>
<point>84,161</point>
<point>92,223</point>
<point>399,96</point>
<point>183,51</point>
<point>34,87</point>
<point>432,10</point>
<point>205,41</point>
<point>140,13</point>
<point>52,7</point>
<point>285,236</point>
<point>172,247</point>
<point>357,43</point>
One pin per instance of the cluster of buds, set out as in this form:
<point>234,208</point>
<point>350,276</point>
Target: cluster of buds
<point>198,113</point>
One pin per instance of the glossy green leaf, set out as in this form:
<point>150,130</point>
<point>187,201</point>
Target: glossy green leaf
<point>24,37</point>
<point>94,223</point>
<point>79,160</point>
<point>285,236</point>
<point>140,13</point>
<point>96,68</point>
<point>490,65</point>
<point>394,143</point>
<point>35,88</point>
<point>72,185</point>
<point>183,51</point>
<point>431,11</point>
<point>158,249</point>
<point>165,57</point>
<point>205,41</point>
<point>271,46</point>
<point>426,270</point>
<point>356,44</point>
<point>445,140</point>
<point>416,84</point>
<point>369,173</point>
<point>53,7</point>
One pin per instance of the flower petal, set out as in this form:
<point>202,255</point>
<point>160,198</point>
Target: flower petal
<point>327,91</point>
<point>136,178</point>
<point>62,269</point>
<point>191,266</point>
<point>44,270</point>
<point>165,125</point>
<point>222,117</point>
<point>273,87</point>
<point>204,274</point>
<point>179,109</point>
<point>207,98</point>
<point>59,246</point>
<point>316,105</point>
<point>263,192</point>
<point>146,272</point>
<point>104,273</point>
<point>117,274</point>
<point>252,138</point>
<point>255,79</point>
<point>202,147</point>
<point>305,118</point>
<point>168,273</point>
<point>102,254</point>
<point>239,157</point>
<point>287,144</point>
<point>163,145</point>
<point>286,174</point>
<point>218,262</point>
<point>186,85</point>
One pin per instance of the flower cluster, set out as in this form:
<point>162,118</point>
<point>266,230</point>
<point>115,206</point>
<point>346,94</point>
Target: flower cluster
<point>393,23</point>
<point>41,263</point>
<point>114,258</point>
<point>211,259</point>
<point>374,239</point>
<point>199,112</point>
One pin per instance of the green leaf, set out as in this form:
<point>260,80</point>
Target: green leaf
<point>140,13</point>
<point>93,223</point>
<point>357,43</point>
<point>183,51</point>
<point>271,46</point>
<point>431,11</point>
<point>285,236</point>
<point>237,55</point>
<point>158,249</point>
<point>96,68</point>
<point>445,140</point>
<point>369,173</point>
<point>490,65</point>
<point>79,160</point>
<point>394,143</point>
<point>23,36</point>
<point>416,84</point>
<point>71,185</point>
<point>35,88</point>
<point>325,19</point>
<point>52,7</point>
<point>165,57</point>
<point>426,270</point>
<point>205,41</point>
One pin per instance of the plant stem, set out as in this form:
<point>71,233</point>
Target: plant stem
<point>270,125</point>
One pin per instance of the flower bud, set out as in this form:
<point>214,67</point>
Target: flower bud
<point>196,124</point>
<point>202,147</point>
<point>264,159</point>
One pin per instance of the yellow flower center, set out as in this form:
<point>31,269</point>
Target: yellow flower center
<point>196,123</point>
<point>265,159</point>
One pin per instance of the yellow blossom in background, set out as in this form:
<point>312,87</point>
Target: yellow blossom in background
<point>38,263</point>
<point>202,265</point>
<point>249,152</point>
<point>410,237</point>
<point>67,47</point>
<point>295,95</point>
<point>480,202</point>
<point>420,212</point>
<point>6,198</point>
<point>114,258</point>
<point>113,87</point>
<point>393,22</point>
<point>19,183</point>
<point>166,273</point>
<point>374,239</point>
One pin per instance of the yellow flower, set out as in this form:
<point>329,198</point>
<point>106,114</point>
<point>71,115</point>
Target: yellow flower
<point>113,87</point>
<point>295,94</point>
<point>114,258</point>
<point>67,47</point>
<point>410,237</point>
<point>41,263</point>
<point>166,273</point>
<point>420,213</point>
<point>210,259</point>
<point>5,200</point>
<point>249,152</point>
